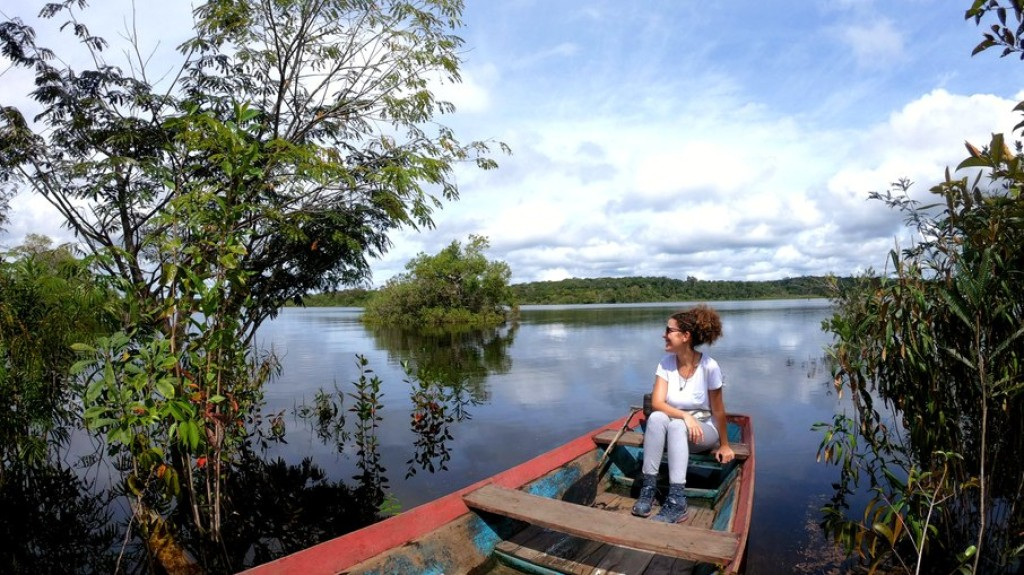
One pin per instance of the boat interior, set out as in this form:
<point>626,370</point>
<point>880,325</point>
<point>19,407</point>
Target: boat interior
<point>558,536</point>
<point>569,511</point>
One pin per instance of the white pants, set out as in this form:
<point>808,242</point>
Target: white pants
<point>661,429</point>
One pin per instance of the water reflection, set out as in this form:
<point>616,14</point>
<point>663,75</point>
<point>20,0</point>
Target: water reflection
<point>456,357</point>
<point>278,508</point>
<point>51,520</point>
<point>446,371</point>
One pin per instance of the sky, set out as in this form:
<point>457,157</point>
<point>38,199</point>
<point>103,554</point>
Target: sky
<point>725,140</point>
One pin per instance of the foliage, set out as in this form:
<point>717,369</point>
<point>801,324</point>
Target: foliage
<point>48,301</point>
<point>931,359</point>
<point>6,194</point>
<point>437,404</point>
<point>176,388</point>
<point>367,408</point>
<point>300,119</point>
<point>456,286</point>
<point>939,347</point>
<point>274,162</point>
<point>1001,34</point>
<point>627,290</point>
<point>662,289</point>
<point>354,297</point>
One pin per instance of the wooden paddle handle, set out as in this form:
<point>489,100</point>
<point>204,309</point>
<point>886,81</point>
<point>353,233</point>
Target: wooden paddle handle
<point>633,411</point>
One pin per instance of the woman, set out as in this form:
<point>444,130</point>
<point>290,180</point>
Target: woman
<point>688,410</point>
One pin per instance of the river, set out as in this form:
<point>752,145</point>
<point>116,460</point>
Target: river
<point>561,372</point>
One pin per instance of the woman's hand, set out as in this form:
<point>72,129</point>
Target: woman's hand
<point>694,430</point>
<point>725,454</point>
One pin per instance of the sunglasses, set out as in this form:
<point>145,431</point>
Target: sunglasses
<point>669,330</point>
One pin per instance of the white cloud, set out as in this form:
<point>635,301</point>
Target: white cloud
<point>713,148</point>
<point>471,95</point>
<point>876,45</point>
<point>921,139</point>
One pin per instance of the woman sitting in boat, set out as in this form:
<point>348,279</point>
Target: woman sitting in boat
<point>688,410</point>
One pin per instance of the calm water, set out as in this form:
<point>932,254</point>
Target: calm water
<point>565,370</point>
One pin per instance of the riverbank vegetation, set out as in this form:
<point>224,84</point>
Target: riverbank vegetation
<point>630,290</point>
<point>661,289</point>
<point>49,300</point>
<point>932,361</point>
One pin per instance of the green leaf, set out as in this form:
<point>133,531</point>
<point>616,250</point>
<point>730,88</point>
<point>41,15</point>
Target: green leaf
<point>93,412</point>
<point>884,531</point>
<point>189,433</point>
<point>165,387</point>
<point>93,391</point>
<point>967,553</point>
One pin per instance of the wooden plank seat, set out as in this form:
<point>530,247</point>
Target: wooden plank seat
<point>683,541</point>
<point>636,439</point>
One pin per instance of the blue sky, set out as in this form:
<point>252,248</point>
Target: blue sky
<point>720,140</point>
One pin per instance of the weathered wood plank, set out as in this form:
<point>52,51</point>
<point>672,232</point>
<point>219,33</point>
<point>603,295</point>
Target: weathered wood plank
<point>613,502</point>
<point>674,540</point>
<point>636,439</point>
<point>623,561</point>
<point>572,555</point>
<point>662,565</point>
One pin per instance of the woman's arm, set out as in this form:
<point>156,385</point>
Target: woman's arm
<point>724,453</point>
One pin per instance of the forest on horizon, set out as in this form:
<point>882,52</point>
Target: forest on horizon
<point>626,290</point>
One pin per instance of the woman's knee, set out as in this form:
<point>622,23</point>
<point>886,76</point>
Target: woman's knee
<point>710,436</point>
<point>658,418</point>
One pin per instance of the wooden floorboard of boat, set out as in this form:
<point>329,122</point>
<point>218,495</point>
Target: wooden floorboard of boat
<point>556,551</point>
<point>682,541</point>
<point>577,556</point>
<point>624,561</point>
<point>662,565</point>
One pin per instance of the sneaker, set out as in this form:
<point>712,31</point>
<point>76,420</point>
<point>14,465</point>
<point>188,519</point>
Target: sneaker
<point>645,502</point>
<point>674,510</point>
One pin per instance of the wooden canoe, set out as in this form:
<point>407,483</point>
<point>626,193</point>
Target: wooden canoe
<point>559,513</point>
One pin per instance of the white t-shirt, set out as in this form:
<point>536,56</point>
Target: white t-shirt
<point>690,393</point>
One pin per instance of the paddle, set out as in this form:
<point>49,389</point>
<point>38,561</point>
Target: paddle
<point>600,464</point>
<point>590,484</point>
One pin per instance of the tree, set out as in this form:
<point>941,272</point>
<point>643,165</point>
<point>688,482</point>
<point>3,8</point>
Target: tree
<point>456,286</point>
<point>931,357</point>
<point>293,138</point>
<point>300,124</point>
<point>48,300</point>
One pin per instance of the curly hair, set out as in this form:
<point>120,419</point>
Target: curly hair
<point>703,323</point>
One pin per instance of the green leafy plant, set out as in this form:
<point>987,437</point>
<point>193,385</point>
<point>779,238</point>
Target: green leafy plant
<point>931,359</point>
<point>49,299</point>
<point>930,355</point>
<point>367,408</point>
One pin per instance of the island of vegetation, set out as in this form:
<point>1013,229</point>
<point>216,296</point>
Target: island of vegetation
<point>456,287</point>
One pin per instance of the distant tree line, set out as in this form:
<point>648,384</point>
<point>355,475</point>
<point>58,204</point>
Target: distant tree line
<point>629,290</point>
<point>662,289</point>
<point>355,297</point>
